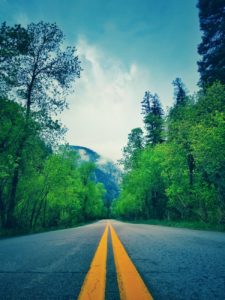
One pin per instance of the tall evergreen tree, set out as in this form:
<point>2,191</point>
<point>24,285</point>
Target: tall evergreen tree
<point>153,118</point>
<point>179,91</point>
<point>175,112</point>
<point>177,129</point>
<point>145,103</point>
<point>212,47</point>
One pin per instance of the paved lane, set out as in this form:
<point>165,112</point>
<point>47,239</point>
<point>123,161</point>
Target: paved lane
<point>48,265</point>
<point>177,264</point>
<point>174,263</point>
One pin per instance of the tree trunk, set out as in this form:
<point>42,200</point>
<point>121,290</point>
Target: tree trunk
<point>10,221</point>
<point>191,167</point>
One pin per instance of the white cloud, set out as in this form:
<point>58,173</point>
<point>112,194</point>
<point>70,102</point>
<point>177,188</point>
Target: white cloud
<point>102,161</point>
<point>106,103</point>
<point>83,155</point>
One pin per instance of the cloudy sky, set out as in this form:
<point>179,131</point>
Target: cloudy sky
<point>126,47</point>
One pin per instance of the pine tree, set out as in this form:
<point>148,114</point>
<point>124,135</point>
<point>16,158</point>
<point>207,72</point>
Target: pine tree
<point>145,103</point>
<point>153,118</point>
<point>179,91</point>
<point>212,47</point>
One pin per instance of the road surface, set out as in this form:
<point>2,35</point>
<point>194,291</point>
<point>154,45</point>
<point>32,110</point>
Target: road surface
<point>172,263</point>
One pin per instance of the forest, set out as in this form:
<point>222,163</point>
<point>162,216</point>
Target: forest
<point>175,168</point>
<point>42,183</point>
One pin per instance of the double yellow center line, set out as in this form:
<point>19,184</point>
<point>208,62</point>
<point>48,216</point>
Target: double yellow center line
<point>131,285</point>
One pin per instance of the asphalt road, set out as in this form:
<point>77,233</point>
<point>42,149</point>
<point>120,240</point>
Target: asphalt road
<point>174,263</point>
<point>49,265</point>
<point>177,263</point>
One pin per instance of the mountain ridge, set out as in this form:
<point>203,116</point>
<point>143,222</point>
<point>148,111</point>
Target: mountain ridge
<point>106,171</point>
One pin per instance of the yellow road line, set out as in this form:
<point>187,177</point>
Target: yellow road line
<point>131,285</point>
<point>94,284</point>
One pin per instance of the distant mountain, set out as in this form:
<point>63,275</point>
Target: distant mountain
<point>86,154</point>
<point>106,171</point>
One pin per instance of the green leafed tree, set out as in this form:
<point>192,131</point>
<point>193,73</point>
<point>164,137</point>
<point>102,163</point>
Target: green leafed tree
<point>143,191</point>
<point>45,74</point>
<point>62,193</point>
<point>11,124</point>
<point>131,152</point>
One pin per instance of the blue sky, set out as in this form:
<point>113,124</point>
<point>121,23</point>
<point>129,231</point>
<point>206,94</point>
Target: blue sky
<point>126,47</point>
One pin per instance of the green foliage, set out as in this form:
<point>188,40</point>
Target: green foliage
<point>183,178</point>
<point>143,189</point>
<point>131,151</point>
<point>59,195</point>
<point>40,74</point>
<point>40,188</point>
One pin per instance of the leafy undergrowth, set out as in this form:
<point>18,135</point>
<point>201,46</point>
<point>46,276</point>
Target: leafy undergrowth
<point>183,224</point>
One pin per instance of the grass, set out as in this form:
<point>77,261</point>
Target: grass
<point>183,224</point>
